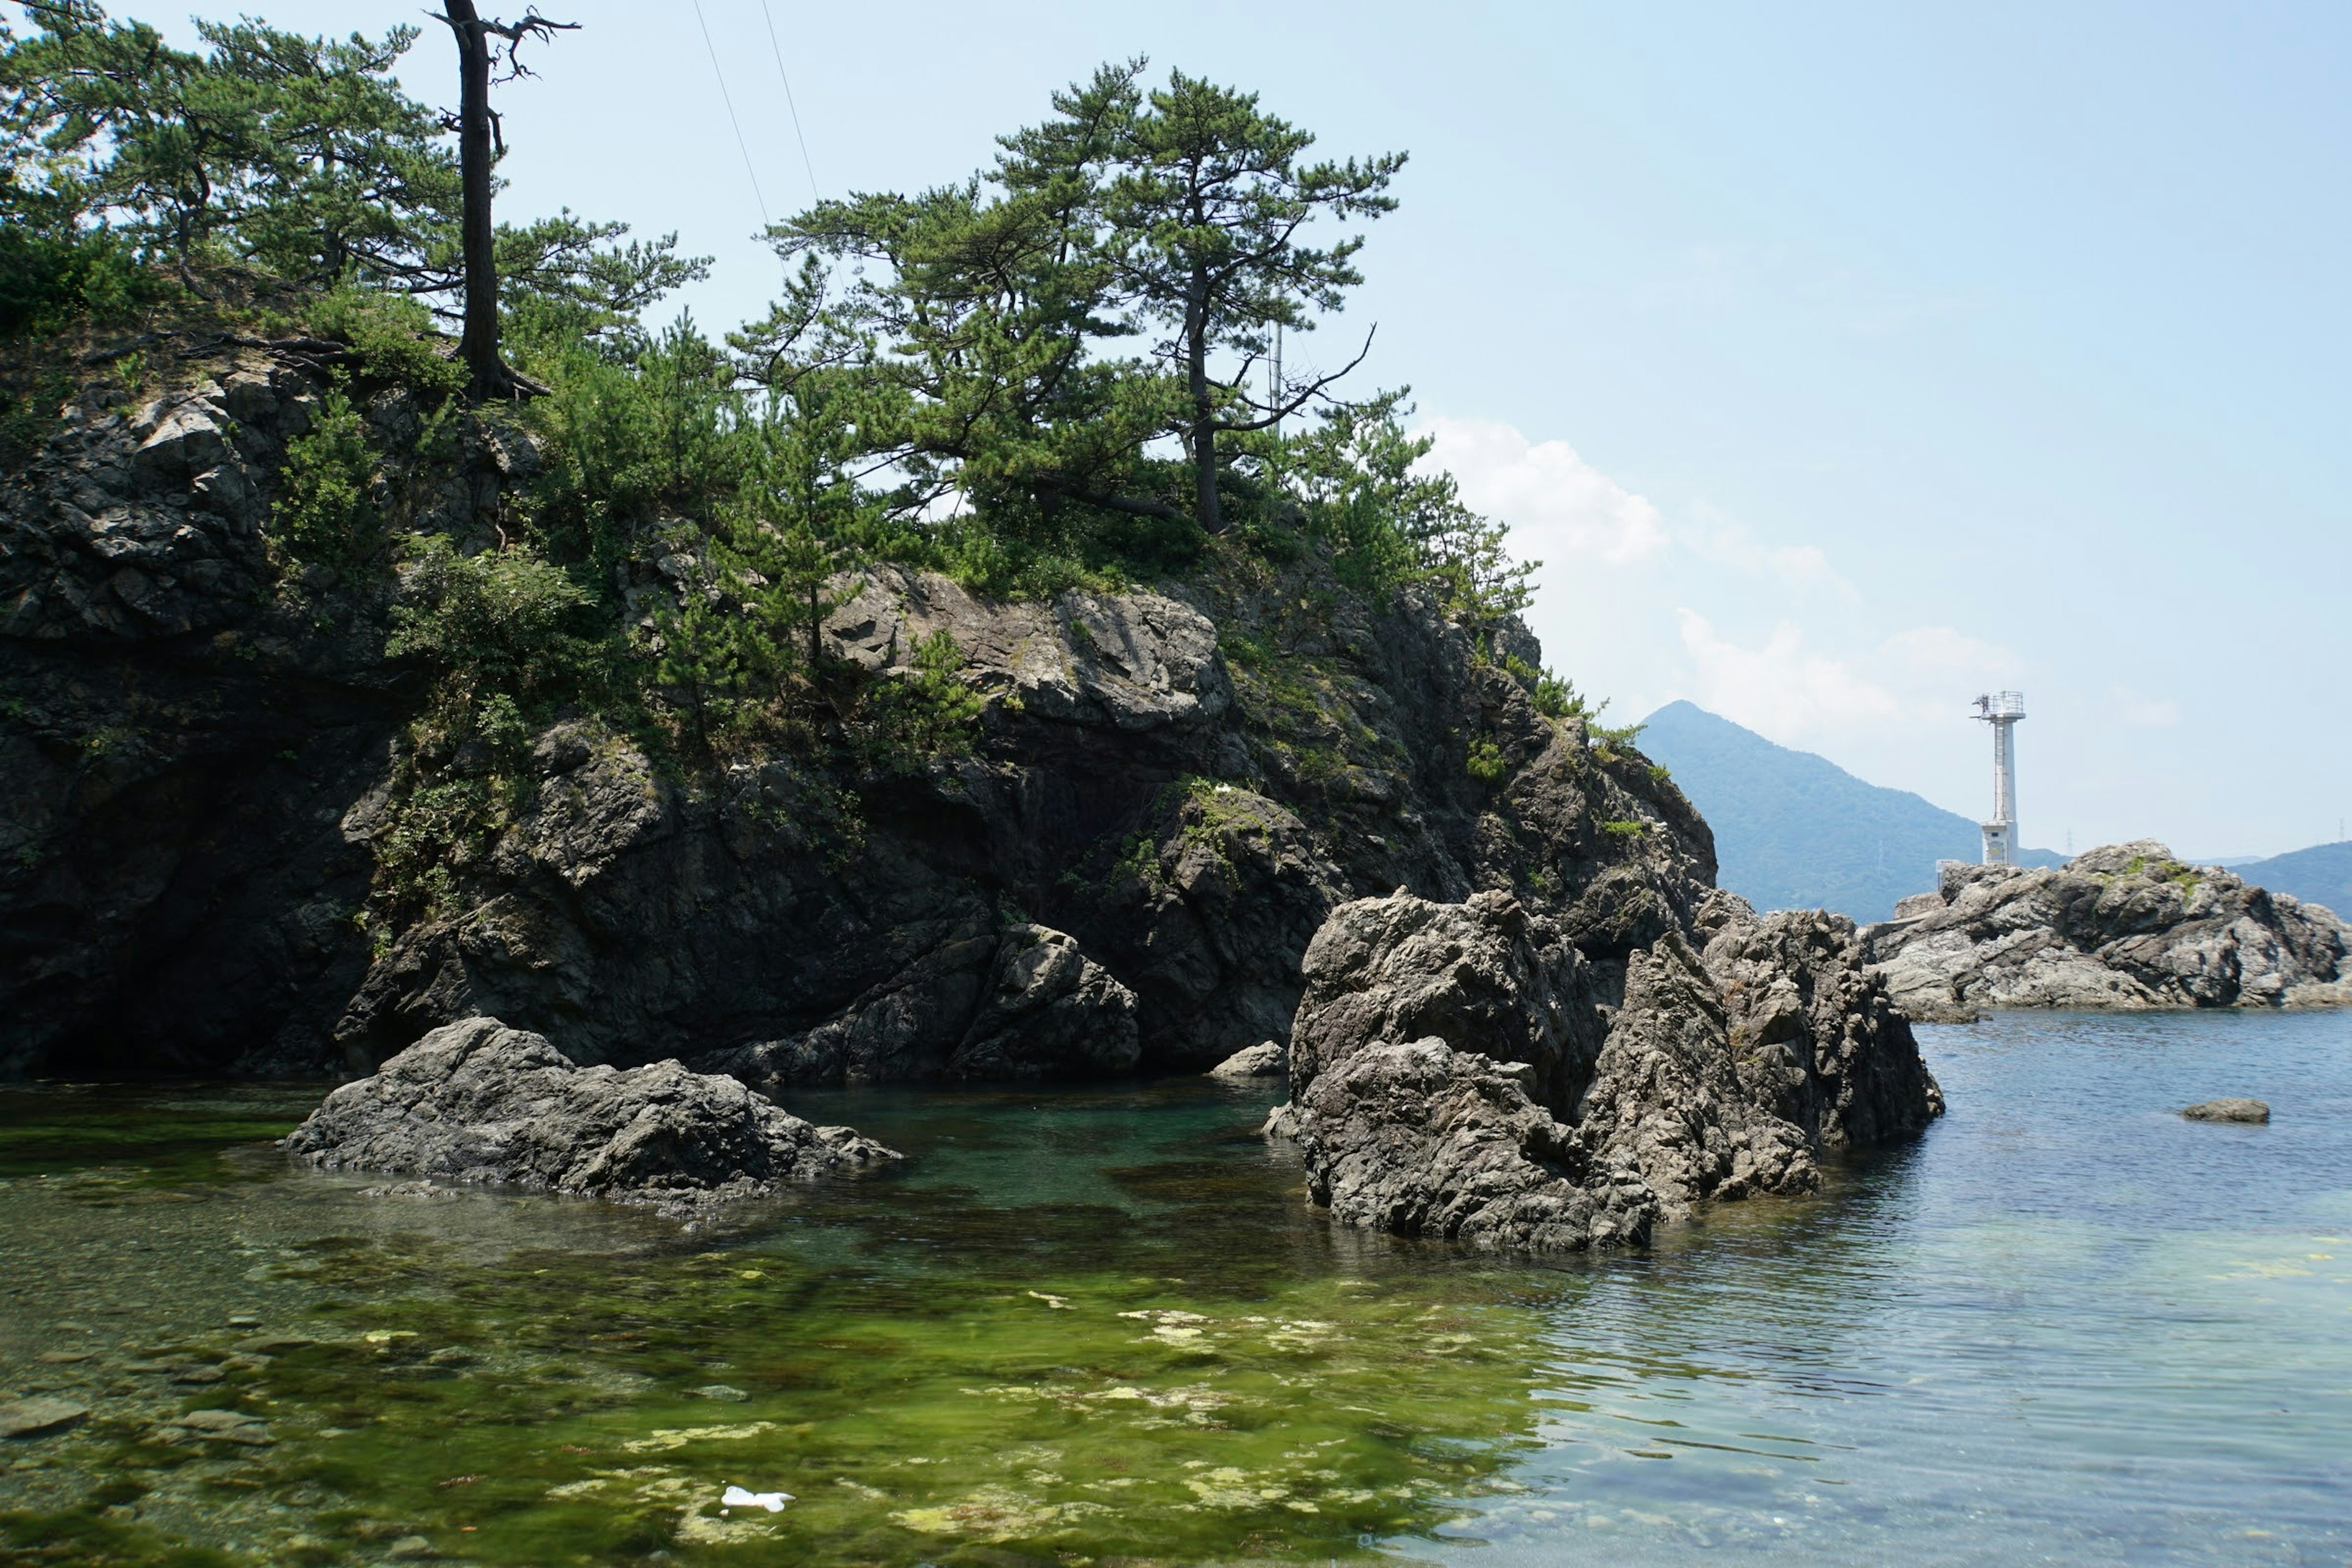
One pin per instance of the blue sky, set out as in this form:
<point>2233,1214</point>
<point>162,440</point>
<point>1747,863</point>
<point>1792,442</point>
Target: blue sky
<point>1841,360</point>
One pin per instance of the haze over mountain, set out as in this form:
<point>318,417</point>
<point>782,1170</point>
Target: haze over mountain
<point>1793,830</point>
<point>2319,875</point>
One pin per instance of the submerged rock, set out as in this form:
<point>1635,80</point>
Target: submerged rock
<point>1264,1059</point>
<point>38,1417</point>
<point>2126,926</point>
<point>477,1102</point>
<point>2228,1110</point>
<point>1723,1072</point>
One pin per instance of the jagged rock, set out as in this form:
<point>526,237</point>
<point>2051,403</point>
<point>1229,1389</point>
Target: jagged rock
<point>2228,1110</point>
<point>1419,1139</point>
<point>1023,1003</point>
<point>2124,926</point>
<point>1264,1059</point>
<point>477,1102</point>
<point>180,732</point>
<point>1721,1074</point>
<point>1819,1039</point>
<point>1482,974</point>
<point>1209,918</point>
<point>1670,1098</point>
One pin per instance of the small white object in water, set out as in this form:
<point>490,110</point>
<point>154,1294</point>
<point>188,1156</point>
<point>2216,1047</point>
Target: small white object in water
<point>736,1497</point>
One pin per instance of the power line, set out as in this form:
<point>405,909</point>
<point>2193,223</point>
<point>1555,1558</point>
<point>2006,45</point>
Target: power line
<point>779,50</point>
<point>742,146</point>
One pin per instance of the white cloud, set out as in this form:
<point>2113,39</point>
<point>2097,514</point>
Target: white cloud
<point>1783,689</point>
<point>1800,566</point>
<point>1940,652</point>
<point>1560,507</point>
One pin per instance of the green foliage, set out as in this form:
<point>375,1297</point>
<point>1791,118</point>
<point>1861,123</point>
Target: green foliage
<point>504,638</point>
<point>1203,202</point>
<point>28,413</point>
<point>1484,762</point>
<point>1630,827</point>
<point>323,512</point>
<point>1363,486</point>
<point>926,712</point>
<point>393,336</point>
<point>1616,735</point>
<point>1555,695</point>
<point>631,437</point>
<point>505,622</point>
<point>48,280</point>
<point>297,156</point>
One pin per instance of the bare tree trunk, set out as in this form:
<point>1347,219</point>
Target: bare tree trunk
<point>478,343</point>
<point>1206,508</point>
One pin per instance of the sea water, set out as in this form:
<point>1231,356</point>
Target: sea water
<point>1102,1324</point>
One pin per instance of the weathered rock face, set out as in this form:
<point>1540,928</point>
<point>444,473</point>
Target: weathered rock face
<point>477,1102</point>
<point>179,740</point>
<point>1182,783</point>
<point>1419,1139</point>
<point>1714,1074</point>
<point>1024,1002</point>
<point>2126,926</point>
<point>1485,975</point>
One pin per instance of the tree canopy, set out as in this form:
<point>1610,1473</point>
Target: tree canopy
<point>1055,367</point>
<point>297,156</point>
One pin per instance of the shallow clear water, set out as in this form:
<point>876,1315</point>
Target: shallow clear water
<point>1102,1325</point>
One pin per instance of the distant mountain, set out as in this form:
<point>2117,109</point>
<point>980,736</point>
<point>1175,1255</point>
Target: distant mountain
<point>2319,875</point>
<point>1796,831</point>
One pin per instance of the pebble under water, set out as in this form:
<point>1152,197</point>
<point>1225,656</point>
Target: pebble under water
<point>1102,1325</point>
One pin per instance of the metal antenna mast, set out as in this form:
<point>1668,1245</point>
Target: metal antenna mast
<point>2002,710</point>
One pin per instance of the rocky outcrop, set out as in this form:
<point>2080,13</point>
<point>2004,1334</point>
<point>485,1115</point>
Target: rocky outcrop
<point>1419,1139</point>
<point>1485,974</point>
<point>477,1102</point>
<point>1462,1070</point>
<point>1729,1069</point>
<point>2126,926</point>
<point>1024,1002</point>
<point>1182,783</point>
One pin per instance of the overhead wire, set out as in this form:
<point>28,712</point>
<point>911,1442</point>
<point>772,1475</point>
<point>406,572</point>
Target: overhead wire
<point>741,145</point>
<point>815,192</point>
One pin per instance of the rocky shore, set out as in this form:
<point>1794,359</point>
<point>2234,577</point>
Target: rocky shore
<point>475,1102</point>
<point>2126,926</point>
<point>1172,836</point>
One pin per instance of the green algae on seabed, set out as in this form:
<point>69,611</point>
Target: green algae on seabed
<point>1130,1360</point>
<point>912,1418</point>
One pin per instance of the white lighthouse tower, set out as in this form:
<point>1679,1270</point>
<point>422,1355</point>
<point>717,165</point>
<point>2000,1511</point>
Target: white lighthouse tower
<point>2002,710</point>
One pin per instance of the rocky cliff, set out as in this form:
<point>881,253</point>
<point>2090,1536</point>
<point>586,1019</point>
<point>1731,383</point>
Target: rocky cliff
<point>2126,926</point>
<point>1463,1070</point>
<point>1169,791</point>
